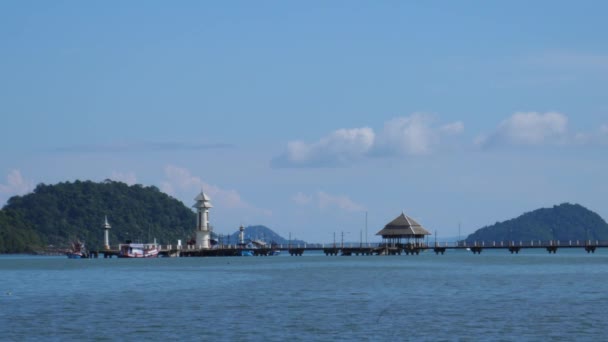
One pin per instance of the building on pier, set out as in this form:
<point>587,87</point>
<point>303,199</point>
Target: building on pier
<point>403,229</point>
<point>203,228</point>
<point>106,234</point>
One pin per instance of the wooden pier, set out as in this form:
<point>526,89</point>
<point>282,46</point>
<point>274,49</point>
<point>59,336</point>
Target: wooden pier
<point>476,247</point>
<point>513,247</point>
<point>589,246</point>
<point>552,246</point>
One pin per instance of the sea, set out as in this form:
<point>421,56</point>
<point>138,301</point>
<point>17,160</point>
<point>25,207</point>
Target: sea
<point>459,296</point>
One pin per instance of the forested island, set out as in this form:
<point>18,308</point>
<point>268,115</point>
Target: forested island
<point>562,222</point>
<point>53,216</point>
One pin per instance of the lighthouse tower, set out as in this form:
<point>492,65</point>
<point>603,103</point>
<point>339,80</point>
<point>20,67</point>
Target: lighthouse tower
<point>242,236</point>
<point>203,229</point>
<point>106,234</point>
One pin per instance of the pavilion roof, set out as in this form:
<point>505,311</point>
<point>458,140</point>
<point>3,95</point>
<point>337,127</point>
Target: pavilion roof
<point>403,226</point>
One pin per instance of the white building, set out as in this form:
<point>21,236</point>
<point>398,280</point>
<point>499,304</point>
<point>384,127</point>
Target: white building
<point>106,234</point>
<point>203,228</point>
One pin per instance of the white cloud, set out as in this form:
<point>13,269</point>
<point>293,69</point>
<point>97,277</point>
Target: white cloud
<point>328,201</point>
<point>16,184</point>
<point>127,178</point>
<point>412,135</point>
<point>181,180</point>
<point>340,146</point>
<point>529,128</point>
<point>416,134</point>
<point>604,129</point>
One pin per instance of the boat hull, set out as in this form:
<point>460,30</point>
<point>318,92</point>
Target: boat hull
<point>137,256</point>
<point>74,255</point>
<point>138,251</point>
<point>148,254</point>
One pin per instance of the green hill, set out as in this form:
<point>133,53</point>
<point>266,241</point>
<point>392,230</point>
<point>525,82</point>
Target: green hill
<point>17,236</point>
<point>57,214</point>
<point>563,222</point>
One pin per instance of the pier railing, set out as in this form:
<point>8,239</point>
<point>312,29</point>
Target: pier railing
<point>522,243</point>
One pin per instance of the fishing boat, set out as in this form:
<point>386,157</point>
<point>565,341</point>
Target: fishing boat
<point>77,251</point>
<point>138,250</point>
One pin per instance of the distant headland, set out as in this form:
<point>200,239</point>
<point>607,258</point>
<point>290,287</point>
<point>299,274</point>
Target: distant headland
<point>53,216</point>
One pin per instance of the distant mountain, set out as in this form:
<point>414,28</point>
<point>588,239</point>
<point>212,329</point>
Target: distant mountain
<point>58,214</point>
<point>262,233</point>
<point>563,222</point>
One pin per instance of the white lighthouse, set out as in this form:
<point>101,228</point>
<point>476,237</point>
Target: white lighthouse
<point>203,229</point>
<point>106,234</point>
<point>242,236</point>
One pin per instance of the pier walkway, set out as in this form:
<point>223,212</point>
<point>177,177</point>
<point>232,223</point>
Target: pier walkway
<point>477,247</point>
<point>513,247</point>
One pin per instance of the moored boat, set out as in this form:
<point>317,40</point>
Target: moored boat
<point>138,250</point>
<point>77,251</point>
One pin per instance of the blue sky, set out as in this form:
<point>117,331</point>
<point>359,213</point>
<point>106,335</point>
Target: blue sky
<point>302,116</point>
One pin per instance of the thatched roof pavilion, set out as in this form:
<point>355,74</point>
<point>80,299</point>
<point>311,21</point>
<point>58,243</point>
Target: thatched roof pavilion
<point>402,227</point>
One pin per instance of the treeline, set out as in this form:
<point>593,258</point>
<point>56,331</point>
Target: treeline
<point>16,236</point>
<point>563,222</point>
<point>55,215</point>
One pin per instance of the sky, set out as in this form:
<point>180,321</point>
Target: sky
<point>307,116</point>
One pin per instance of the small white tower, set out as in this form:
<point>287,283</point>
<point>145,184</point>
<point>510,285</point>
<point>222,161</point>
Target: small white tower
<point>242,235</point>
<point>106,234</point>
<point>203,229</point>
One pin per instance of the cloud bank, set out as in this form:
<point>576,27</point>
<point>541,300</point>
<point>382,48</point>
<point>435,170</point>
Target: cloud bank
<point>534,129</point>
<point>341,146</point>
<point>417,134</point>
<point>528,129</point>
<point>421,134</point>
<point>414,135</point>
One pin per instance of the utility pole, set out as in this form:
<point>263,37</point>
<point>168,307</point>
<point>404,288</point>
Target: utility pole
<point>366,229</point>
<point>360,239</point>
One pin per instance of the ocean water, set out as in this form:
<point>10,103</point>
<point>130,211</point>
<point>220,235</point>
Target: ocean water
<point>458,296</point>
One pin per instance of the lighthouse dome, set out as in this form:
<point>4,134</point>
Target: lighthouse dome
<point>202,197</point>
<point>202,201</point>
